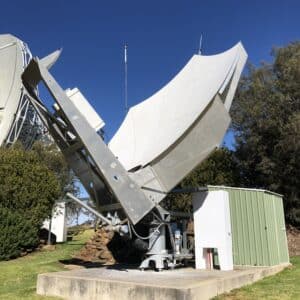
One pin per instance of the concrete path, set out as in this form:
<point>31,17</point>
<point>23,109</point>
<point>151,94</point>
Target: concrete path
<point>111,283</point>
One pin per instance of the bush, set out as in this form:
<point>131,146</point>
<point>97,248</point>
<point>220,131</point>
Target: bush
<point>28,191</point>
<point>27,186</point>
<point>17,234</point>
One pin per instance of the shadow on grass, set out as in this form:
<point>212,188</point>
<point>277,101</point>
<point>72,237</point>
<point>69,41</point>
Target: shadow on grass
<point>91,264</point>
<point>74,244</point>
<point>81,263</point>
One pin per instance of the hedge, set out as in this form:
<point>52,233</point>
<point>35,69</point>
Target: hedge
<point>17,234</point>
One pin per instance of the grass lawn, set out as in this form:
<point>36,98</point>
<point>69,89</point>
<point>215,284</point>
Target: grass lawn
<point>283,286</point>
<point>18,277</point>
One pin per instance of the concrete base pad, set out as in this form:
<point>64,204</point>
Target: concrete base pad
<point>112,283</point>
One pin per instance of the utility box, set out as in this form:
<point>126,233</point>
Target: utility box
<point>257,226</point>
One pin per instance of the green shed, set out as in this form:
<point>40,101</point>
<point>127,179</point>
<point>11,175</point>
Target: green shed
<point>257,226</point>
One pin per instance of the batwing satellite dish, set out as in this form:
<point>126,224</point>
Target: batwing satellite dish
<point>163,138</point>
<point>160,142</point>
<point>156,124</point>
<point>18,120</point>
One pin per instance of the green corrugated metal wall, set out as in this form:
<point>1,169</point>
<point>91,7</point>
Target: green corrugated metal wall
<point>258,227</point>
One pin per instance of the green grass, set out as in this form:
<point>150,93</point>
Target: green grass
<point>283,286</point>
<point>18,277</point>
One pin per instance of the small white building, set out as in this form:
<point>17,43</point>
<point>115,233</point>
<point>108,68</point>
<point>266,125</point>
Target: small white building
<point>58,222</point>
<point>239,227</point>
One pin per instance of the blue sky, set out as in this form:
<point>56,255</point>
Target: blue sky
<point>161,37</point>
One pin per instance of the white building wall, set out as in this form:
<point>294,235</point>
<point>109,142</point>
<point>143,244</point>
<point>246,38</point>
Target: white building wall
<point>59,222</point>
<point>212,227</point>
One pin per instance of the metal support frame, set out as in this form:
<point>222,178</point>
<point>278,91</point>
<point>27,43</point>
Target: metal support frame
<point>100,172</point>
<point>90,209</point>
<point>27,126</point>
<point>159,256</point>
<point>69,127</point>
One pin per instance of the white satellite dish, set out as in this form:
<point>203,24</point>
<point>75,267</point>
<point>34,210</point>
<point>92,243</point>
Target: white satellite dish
<point>156,124</point>
<point>161,140</point>
<point>18,120</point>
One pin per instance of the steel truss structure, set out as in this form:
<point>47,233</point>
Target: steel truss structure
<point>26,126</point>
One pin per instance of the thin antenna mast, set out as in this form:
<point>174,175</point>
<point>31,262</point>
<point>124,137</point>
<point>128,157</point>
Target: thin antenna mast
<point>200,45</point>
<point>125,86</point>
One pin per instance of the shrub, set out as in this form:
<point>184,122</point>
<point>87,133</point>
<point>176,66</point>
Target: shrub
<point>28,191</point>
<point>17,234</point>
<point>27,185</point>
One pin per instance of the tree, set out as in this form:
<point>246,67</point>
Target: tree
<point>26,184</point>
<point>287,160</point>
<point>28,191</point>
<point>49,154</point>
<point>265,117</point>
<point>17,234</point>
<point>74,210</point>
<point>220,168</point>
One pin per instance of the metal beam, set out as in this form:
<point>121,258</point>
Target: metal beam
<point>133,200</point>
<point>90,209</point>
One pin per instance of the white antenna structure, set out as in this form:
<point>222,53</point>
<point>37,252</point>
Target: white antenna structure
<point>200,45</point>
<point>125,85</point>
